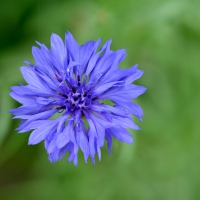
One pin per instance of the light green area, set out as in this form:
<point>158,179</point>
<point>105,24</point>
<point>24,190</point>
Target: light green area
<point>163,37</point>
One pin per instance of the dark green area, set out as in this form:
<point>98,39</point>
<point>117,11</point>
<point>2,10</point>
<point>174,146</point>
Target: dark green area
<point>164,38</point>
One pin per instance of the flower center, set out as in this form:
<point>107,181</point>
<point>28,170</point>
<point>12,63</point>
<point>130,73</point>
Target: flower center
<point>76,96</point>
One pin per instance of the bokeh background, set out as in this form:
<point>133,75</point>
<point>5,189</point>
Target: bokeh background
<point>164,38</point>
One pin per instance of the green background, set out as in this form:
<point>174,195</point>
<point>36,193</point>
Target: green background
<point>163,36</point>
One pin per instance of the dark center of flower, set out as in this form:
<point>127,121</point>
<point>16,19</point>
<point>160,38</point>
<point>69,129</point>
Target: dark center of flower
<point>76,96</point>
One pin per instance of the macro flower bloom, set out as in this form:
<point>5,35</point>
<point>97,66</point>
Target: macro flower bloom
<point>77,97</point>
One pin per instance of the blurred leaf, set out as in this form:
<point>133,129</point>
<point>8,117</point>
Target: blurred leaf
<point>6,103</point>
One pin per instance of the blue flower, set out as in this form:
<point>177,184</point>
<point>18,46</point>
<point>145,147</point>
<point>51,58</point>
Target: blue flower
<point>64,102</point>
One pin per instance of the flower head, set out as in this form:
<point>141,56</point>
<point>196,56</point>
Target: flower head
<point>64,102</point>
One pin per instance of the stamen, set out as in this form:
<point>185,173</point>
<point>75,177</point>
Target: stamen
<point>85,94</point>
<point>76,98</point>
<point>73,89</point>
<point>95,98</point>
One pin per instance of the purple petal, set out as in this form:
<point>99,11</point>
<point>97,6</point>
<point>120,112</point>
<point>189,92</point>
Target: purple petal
<point>99,90</point>
<point>42,131</point>
<point>108,137</point>
<point>22,99</point>
<point>58,49</point>
<point>125,122</point>
<point>82,141</point>
<point>126,92</point>
<point>72,46</point>
<point>31,118</point>
<point>33,79</point>
<point>134,76</point>
<point>66,136</point>
<point>121,134</point>
<point>86,52</point>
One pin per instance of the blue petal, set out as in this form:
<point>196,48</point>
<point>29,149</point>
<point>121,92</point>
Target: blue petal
<point>120,74</point>
<point>25,100</point>
<point>58,49</point>
<point>120,134</point>
<point>101,89</point>
<point>125,122</point>
<point>46,101</point>
<point>31,78</point>
<point>102,65</point>
<point>73,150</point>
<point>113,109</point>
<point>42,131</point>
<point>82,141</point>
<point>30,90</point>
<point>116,121</point>
<point>32,125</point>
<point>132,108</point>
<point>86,52</point>
<point>66,136</point>
<point>106,47</point>
<point>128,106</point>
<point>51,147</point>
<point>108,137</point>
<point>100,130</point>
<point>75,160</point>
<point>133,76</point>
<point>26,110</point>
<point>55,156</point>
<point>92,135</point>
<point>116,58</point>
<point>91,146</point>
<point>50,80</point>
<point>52,64</point>
<point>92,63</point>
<point>40,60</point>
<point>35,77</point>
<point>105,50</point>
<point>103,119</point>
<point>126,92</point>
<point>97,148</point>
<point>31,118</point>
<point>70,147</point>
<point>72,46</point>
<point>62,152</point>
<point>61,124</point>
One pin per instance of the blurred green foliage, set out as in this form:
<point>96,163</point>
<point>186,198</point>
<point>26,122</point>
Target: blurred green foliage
<point>164,38</point>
